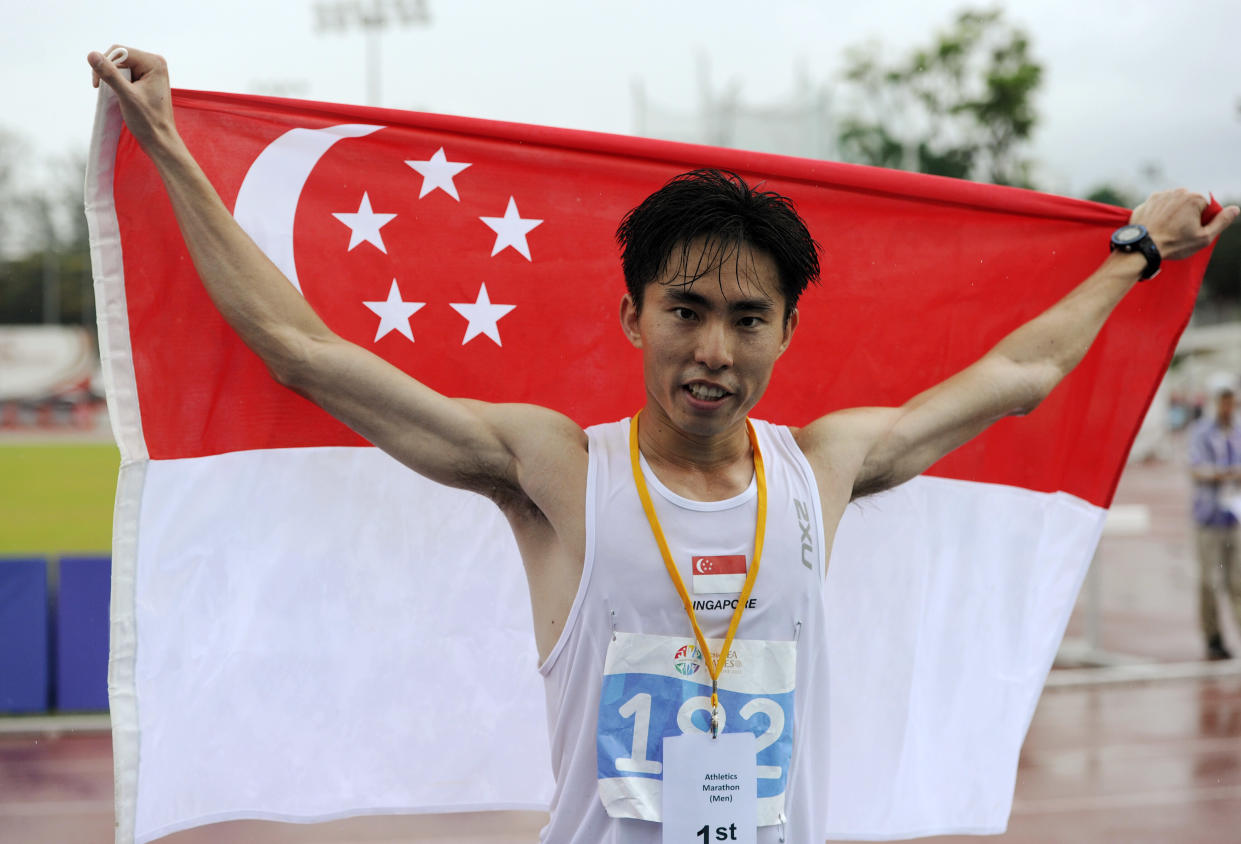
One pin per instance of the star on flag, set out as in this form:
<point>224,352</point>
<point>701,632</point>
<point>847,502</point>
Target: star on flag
<point>483,316</point>
<point>394,313</point>
<point>511,229</point>
<point>364,224</point>
<point>438,172</point>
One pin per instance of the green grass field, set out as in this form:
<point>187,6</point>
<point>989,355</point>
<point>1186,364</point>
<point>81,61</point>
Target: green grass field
<point>57,498</point>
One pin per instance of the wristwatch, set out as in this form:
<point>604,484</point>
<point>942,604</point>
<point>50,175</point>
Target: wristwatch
<point>1135,238</point>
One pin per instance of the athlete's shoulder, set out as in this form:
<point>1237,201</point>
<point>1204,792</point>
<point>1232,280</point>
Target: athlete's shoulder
<point>845,432</point>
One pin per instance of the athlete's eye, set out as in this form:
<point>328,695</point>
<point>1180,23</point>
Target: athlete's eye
<point>684,313</point>
<point>750,322</point>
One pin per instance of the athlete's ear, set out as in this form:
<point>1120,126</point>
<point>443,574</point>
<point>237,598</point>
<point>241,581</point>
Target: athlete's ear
<point>629,321</point>
<point>790,325</point>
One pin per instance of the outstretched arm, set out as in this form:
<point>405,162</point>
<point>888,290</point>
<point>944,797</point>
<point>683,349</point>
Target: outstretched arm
<point>460,443</point>
<point>882,447</point>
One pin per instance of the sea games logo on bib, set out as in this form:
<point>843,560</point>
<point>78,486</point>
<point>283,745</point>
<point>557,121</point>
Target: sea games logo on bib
<point>687,660</point>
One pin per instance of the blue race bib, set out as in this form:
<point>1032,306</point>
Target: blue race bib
<point>659,686</point>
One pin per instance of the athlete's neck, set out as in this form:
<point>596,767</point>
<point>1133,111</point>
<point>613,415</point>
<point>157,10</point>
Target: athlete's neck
<point>705,468</point>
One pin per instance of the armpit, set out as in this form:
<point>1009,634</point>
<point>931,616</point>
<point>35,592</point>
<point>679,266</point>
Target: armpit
<point>475,476</point>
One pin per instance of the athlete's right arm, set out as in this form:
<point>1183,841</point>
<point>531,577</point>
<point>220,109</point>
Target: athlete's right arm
<point>460,443</point>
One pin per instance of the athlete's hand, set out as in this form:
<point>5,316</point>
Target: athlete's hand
<point>146,100</point>
<point>1174,220</point>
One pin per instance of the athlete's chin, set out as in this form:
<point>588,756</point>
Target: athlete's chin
<point>709,420</point>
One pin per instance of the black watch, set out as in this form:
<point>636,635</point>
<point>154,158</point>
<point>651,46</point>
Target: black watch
<point>1135,238</point>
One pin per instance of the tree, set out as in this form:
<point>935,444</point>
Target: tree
<point>962,106</point>
<point>1112,194</point>
<point>12,155</point>
<point>44,248</point>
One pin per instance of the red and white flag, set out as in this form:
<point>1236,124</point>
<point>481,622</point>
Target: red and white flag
<point>303,629</point>
<point>720,573</point>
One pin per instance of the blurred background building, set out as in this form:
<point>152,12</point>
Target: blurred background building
<point>800,125</point>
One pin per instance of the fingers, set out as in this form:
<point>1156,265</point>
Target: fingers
<point>93,58</point>
<point>139,63</point>
<point>103,69</point>
<point>1222,220</point>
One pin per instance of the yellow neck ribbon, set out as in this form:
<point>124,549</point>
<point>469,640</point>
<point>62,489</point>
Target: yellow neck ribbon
<point>714,664</point>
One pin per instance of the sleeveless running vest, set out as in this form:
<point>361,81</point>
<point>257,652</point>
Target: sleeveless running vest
<point>626,670</point>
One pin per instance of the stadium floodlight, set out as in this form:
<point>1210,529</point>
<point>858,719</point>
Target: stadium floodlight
<point>373,17</point>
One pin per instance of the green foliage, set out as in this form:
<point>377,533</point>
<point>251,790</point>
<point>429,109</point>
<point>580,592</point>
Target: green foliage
<point>962,106</point>
<point>44,243</point>
<point>24,299</point>
<point>12,150</point>
<point>1110,194</point>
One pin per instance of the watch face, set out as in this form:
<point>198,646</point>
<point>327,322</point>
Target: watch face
<point>1128,234</point>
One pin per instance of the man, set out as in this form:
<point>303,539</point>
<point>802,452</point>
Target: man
<point>610,522</point>
<point>1215,464</point>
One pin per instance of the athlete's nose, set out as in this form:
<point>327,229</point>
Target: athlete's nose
<point>714,350</point>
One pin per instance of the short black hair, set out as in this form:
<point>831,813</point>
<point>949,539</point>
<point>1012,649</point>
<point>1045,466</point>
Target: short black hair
<point>721,207</point>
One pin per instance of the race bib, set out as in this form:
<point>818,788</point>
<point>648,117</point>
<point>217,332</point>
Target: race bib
<point>659,686</point>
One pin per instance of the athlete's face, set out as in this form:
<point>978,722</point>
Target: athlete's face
<point>708,348</point>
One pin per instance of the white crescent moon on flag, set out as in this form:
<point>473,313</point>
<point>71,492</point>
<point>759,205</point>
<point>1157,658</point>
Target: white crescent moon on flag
<point>267,201</point>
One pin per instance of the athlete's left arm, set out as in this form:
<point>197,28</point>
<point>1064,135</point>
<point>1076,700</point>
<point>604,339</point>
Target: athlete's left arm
<point>882,447</point>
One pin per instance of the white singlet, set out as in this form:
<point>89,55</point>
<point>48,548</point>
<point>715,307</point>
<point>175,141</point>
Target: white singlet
<point>626,671</point>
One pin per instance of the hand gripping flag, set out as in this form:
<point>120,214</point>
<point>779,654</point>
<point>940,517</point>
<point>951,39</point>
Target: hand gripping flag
<point>303,629</point>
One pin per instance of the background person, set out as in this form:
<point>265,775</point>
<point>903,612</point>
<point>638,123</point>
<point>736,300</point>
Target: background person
<point>1215,462</point>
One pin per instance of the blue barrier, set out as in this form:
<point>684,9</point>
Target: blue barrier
<point>24,634</point>
<point>82,633</point>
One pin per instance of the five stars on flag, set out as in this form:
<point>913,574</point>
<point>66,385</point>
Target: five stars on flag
<point>511,230</point>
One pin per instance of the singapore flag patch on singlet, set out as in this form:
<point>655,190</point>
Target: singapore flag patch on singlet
<point>721,573</point>
<point>659,686</point>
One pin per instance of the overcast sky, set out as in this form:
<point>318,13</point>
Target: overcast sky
<point>1128,83</point>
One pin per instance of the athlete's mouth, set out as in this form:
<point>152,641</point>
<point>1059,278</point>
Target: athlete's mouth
<point>706,392</point>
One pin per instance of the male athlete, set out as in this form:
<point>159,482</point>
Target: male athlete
<point>608,520</point>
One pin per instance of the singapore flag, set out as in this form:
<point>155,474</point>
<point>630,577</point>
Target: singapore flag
<point>723,573</point>
<point>286,596</point>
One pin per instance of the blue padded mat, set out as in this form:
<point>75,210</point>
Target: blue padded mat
<point>82,633</point>
<point>24,634</point>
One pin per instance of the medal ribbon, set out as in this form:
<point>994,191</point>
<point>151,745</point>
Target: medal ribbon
<point>714,664</point>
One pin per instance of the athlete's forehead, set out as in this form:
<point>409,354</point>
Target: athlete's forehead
<point>690,294</point>
<point>707,269</point>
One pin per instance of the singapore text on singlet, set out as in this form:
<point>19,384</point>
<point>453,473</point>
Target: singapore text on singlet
<point>627,671</point>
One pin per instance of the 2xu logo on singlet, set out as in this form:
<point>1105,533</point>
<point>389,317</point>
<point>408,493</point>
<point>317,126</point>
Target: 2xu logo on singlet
<point>659,686</point>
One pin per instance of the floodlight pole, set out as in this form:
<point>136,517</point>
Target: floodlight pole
<point>372,17</point>
<point>374,61</point>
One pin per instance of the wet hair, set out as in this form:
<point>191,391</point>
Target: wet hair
<point>718,206</point>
